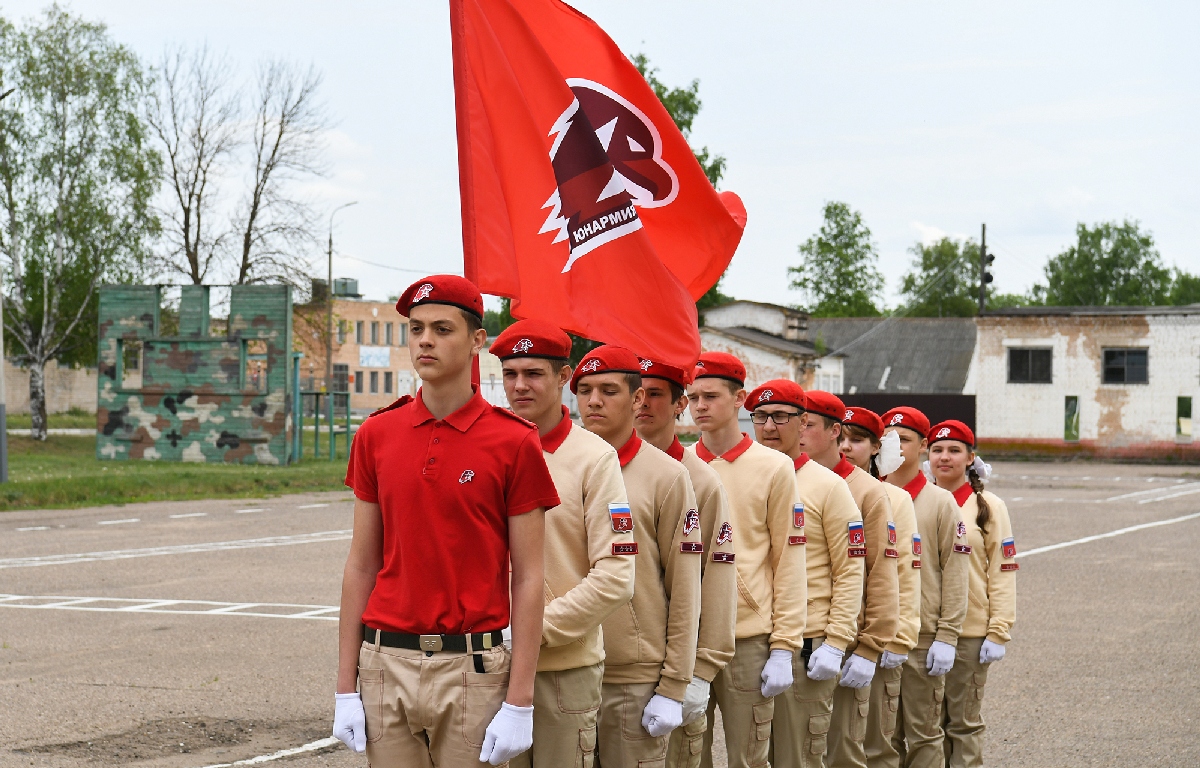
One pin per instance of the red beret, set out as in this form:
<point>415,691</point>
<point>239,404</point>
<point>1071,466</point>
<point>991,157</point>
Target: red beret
<point>654,370</point>
<point>905,416</point>
<point>776,392</point>
<point>951,430</point>
<point>442,289</point>
<point>531,338</point>
<point>868,420</point>
<point>720,365</point>
<point>606,359</point>
<point>825,404</point>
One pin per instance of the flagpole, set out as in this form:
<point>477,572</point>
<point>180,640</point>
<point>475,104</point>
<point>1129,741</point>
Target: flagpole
<point>458,51</point>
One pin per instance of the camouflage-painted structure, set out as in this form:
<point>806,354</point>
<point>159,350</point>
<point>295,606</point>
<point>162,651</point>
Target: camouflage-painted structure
<point>201,397</point>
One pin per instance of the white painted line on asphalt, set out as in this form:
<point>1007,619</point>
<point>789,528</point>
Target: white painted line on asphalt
<point>311,506</point>
<point>180,607</point>
<point>311,746</point>
<point>1152,490</point>
<point>35,528</point>
<point>1175,495</point>
<point>1109,535</point>
<point>247,511</point>
<point>119,522</point>
<point>188,514</point>
<point>177,549</point>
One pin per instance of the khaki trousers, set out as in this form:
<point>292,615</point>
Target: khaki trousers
<point>848,731</point>
<point>881,720</point>
<point>745,712</point>
<point>566,706</point>
<point>685,746</point>
<point>919,736</point>
<point>430,710</point>
<point>622,741</point>
<point>800,729</point>
<point>963,720</point>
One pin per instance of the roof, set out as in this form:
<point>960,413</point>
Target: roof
<point>777,307</point>
<point>767,341</point>
<point>908,354</point>
<point>1185,309</point>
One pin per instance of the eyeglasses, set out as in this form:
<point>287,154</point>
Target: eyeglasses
<point>779,417</point>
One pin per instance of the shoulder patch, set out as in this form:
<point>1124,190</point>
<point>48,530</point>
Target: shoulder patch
<point>399,403</point>
<point>513,416</point>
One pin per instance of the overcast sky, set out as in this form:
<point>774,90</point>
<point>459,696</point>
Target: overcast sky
<point>929,118</point>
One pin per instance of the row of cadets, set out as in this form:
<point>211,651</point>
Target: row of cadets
<point>772,594</point>
<point>665,401</point>
<point>650,643</point>
<point>985,534</point>
<point>862,444</point>
<point>834,576</point>
<point>587,576</point>
<point>879,617</point>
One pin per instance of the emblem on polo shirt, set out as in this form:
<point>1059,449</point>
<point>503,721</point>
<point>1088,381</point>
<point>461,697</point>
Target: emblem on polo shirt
<point>624,548</point>
<point>891,533</point>
<point>693,547</point>
<point>857,537</point>
<point>943,432</point>
<point>897,419</point>
<point>591,365</point>
<point>1009,546</point>
<point>622,517</point>
<point>849,415</point>
<point>725,535</point>
<point>961,530</point>
<point>794,540</point>
<point>798,516</point>
<point>1010,566</point>
<point>524,345</point>
<point>917,544</point>
<point>467,476</point>
<point>645,365</point>
<point>422,293</point>
<point>723,557</point>
<point>691,521</point>
<point>963,548</point>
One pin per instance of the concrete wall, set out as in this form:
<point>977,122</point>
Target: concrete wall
<point>764,317</point>
<point>761,365</point>
<point>66,388</point>
<point>1113,417</point>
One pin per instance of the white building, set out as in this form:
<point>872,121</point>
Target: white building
<point>768,338</point>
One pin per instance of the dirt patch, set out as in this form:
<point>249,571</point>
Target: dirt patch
<point>161,738</point>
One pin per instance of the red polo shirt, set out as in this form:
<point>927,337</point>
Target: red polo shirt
<point>446,490</point>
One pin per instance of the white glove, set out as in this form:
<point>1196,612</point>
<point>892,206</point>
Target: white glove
<point>349,721</point>
<point>825,662</point>
<point>939,659</point>
<point>777,674</point>
<point>857,672</point>
<point>990,652</point>
<point>695,699</point>
<point>509,734</point>
<point>663,715</point>
<point>891,660</point>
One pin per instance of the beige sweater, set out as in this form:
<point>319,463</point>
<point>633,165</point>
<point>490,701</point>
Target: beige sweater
<point>992,597</point>
<point>772,588</point>
<point>835,580</point>
<point>880,615</point>
<point>718,591</point>
<point>585,581</point>
<point>652,638</point>
<point>905,518</point>
<point>944,572</point>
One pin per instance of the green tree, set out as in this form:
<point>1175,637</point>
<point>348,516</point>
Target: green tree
<point>496,321</point>
<point>683,104</point>
<point>1110,265</point>
<point>77,175</point>
<point>839,273</point>
<point>1185,288</point>
<point>943,280</point>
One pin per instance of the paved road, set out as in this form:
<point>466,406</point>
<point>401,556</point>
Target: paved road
<point>199,633</point>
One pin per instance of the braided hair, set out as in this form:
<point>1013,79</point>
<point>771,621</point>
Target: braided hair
<point>985,512</point>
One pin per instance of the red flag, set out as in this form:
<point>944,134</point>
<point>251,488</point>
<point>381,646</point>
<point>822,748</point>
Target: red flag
<point>581,200</point>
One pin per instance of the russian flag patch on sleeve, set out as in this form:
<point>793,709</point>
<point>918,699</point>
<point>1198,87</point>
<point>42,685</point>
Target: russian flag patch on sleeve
<point>622,517</point>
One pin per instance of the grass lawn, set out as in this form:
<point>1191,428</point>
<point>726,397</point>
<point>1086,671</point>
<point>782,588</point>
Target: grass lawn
<point>64,472</point>
<point>73,419</point>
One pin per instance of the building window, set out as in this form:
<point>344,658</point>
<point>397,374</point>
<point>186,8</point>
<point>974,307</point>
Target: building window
<point>403,335</point>
<point>1030,366</point>
<point>358,377</point>
<point>375,333</point>
<point>254,378</point>
<point>1071,419</point>
<point>374,382</point>
<point>387,334</point>
<point>131,363</point>
<point>358,330</point>
<point>341,377</point>
<point>387,382</point>
<point>1183,417</point>
<point>341,331</point>
<point>1126,366</point>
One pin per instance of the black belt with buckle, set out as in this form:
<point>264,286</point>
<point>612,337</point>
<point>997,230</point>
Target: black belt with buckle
<point>806,650</point>
<point>432,643</point>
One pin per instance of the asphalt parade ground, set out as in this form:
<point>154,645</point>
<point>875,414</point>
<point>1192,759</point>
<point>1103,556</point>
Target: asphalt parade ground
<point>204,633</point>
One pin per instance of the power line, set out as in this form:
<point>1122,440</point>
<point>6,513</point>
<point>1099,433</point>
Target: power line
<point>394,269</point>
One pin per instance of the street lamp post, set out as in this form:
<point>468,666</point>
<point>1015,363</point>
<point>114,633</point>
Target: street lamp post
<point>329,329</point>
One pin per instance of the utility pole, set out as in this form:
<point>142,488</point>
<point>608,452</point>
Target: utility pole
<point>329,331</point>
<point>985,277</point>
<point>3,383</point>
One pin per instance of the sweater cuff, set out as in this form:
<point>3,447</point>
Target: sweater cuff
<point>705,670</point>
<point>867,652</point>
<point>672,688</point>
<point>948,637</point>
<point>784,645</point>
<point>836,642</point>
<point>898,648</point>
<point>996,638</point>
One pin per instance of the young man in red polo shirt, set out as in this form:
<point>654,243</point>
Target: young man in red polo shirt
<point>665,401</point>
<point>448,489</point>
<point>586,580</point>
<point>880,614</point>
<point>769,523</point>
<point>650,644</point>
